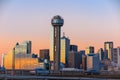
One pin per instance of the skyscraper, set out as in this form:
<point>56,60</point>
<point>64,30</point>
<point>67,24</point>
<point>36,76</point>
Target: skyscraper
<point>9,60</point>
<point>101,54</point>
<point>20,61</point>
<point>84,62</point>
<point>89,49</point>
<point>65,48</point>
<point>25,61</point>
<point>81,53</point>
<point>73,59</point>
<point>24,47</point>
<point>109,47</point>
<point>57,22</point>
<point>118,53</point>
<point>105,54</point>
<point>74,48</point>
<point>93,62</point>
<point>115,55</point>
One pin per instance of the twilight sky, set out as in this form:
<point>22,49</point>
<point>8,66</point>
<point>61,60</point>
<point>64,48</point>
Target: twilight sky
<point>87,22</point>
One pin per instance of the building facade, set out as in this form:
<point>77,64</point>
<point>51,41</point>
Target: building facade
<point>115,55</point>
<point>81,53</point>
<point>24,47</point>
<point>74,48</point>
<point>44,54</point>
<point>73,59</point>
<point>25,61</point>
<point>93,62</point>
<point>84,62</point>
<point>109,47</point>
<point>105,54</point>
<point>89,49</point>
<point>20,61</point>
<point>101,54</point>
<point>65,48</point>
<point>8,60</point>
<point>118,53</point>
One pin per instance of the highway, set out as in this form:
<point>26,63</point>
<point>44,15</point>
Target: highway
<point>66,75</point>
<point>6,77</point>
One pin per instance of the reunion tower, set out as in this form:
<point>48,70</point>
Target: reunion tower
<point>57,22</point>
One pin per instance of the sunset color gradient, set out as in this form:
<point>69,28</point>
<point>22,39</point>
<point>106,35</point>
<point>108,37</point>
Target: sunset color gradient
<point>86,22</point>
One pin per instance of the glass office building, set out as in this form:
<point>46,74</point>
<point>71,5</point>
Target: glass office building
<point>89,49</point>
<point>64,50</point>
<point>8,60</point>
<point>93,62</point>
<point>108,46</point>
<point>24,47</point>
<point>20,61</point>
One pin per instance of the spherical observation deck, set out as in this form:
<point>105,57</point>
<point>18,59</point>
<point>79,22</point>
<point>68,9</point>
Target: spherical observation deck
<point>57,21</point>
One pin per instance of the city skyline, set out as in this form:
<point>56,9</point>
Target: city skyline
<point>86,22</point>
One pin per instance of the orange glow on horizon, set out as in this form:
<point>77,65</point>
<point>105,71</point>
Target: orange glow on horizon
<point>6,46</point>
